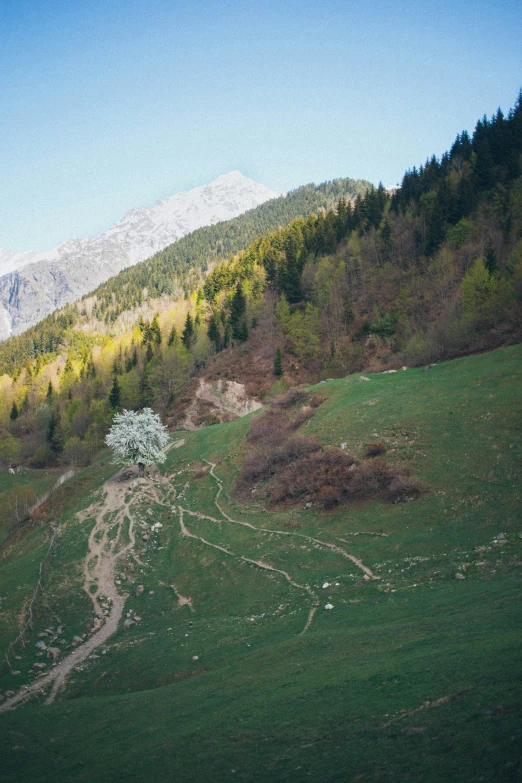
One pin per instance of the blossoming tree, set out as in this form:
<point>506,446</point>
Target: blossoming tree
<point>137,438</point>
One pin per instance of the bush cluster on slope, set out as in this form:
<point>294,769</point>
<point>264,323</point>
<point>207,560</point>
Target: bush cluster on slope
<point>292,468</point>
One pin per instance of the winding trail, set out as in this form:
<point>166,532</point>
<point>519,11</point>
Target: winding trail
<point>339,550</point>
<point>99,571</point>
<point>259,563</point>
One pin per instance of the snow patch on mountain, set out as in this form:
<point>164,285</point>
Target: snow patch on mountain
<point>11,261</point>
<point>32,285</point>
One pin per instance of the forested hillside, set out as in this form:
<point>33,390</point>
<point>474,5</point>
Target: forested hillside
<point>172,274</point>
<point>431,271</point>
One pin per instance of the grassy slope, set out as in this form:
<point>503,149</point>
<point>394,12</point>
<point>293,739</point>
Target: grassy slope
<point>40,480</point>
<point>20,558</point>
<point>276,706</point>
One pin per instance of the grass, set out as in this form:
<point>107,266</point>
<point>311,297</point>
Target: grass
<point>40,480</point>
<point>341,702</point>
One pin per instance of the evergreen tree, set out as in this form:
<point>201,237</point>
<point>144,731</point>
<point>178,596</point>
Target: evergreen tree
<point>173,336</point>
<point>227,336</point>
<point>55,434</point>
<point>50,392</point>
<point>278,364</point>
<point>237,311</point>
<point>145,390</point>
<point>290,273</point>
<point>187,335</point>
<point>114,394</point>
<point>14,411</point>
<point>491,260</point>
<point>214,332</point>
<point>242,331</point>
<point>155,331</point>
<point>342,218</point>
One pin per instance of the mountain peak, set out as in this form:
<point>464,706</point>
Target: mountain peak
<point>77,266</point>
<point>233,176</point>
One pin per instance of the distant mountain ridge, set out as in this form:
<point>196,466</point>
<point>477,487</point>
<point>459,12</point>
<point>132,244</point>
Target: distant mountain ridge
<point>33,285</point>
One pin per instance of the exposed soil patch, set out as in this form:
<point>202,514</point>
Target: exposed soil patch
<point>99,572</point>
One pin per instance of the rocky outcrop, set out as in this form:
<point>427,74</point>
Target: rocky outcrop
<point>217,402</point>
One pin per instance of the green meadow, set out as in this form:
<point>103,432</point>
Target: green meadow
<point>236,671</point>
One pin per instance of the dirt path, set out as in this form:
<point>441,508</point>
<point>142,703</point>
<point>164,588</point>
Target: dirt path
<point>259,563</point>
<point>99,571</point>
<point>333,547</point>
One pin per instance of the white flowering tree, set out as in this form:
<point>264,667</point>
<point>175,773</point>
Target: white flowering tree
<point>137,438</point>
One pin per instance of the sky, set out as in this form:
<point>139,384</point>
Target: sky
<point>113,104</point>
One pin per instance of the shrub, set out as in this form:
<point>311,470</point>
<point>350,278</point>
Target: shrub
<point>375,449</point>
<point>300,468</point>
<point>330,477</point>
<point>403,487</point>
<point>42,457</point>
<point>321,476</point>
<point>371,478</point>
<point>317,400</point>
<point>270,427</point>
<point>263,463</point>
<point>301,418</point>
<point>292,397</point>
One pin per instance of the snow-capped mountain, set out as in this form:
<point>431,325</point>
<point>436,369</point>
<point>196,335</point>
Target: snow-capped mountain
<point>32,285</point>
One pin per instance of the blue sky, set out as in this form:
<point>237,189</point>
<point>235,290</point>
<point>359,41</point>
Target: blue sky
<point>109,105</point>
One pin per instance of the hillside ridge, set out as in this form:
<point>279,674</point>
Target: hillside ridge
<point>34,284</point>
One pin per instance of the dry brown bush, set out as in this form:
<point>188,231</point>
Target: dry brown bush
<point>292,397</point>
<point>330,477</point>
<point>318,476</point>
<point>375,449</point>
<point>269,428</point>
<point>301,418</point>
<point>403,487</point>
<point>317,400</point>
<point>267,461</point>
<point>297,468</point>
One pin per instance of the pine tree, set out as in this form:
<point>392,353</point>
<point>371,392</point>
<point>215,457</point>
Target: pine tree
<point>278,364</point>
<point>50,392</point>
<point>14,412</point>
<point>114,394</point>
<point>242,331</point>
<point>342,218</point>
<point>227,336</point>
<point>55,434</point>
<point>145,389</point>
<point>155,331</point>
<point>173,336</point>
<point>213,331</point>
<point>491,260</point>
<point>188,332</point>
<point>237,310</point>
